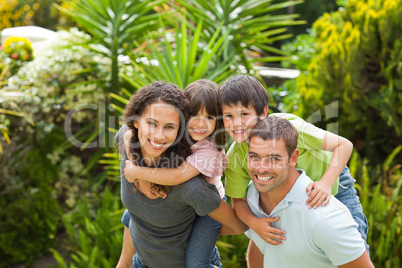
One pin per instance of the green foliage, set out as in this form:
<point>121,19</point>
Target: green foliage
<point>232,249</point>
<point>249,24</point>
<point>95,232</point>
<point>382,204</point>
<point>41,13</point>
<point>358,60</point>
<point>29,214</point>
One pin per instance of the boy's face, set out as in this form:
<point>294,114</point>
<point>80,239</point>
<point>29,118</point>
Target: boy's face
<point>240,120</point>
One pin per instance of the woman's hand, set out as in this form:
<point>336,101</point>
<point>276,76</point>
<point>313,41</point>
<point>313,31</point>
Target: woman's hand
<point>319,193</point>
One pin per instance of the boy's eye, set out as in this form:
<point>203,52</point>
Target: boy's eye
<point>227,116</point>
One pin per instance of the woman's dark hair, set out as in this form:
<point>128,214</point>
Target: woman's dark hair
<point>169,94</point>
<point>204,94</point>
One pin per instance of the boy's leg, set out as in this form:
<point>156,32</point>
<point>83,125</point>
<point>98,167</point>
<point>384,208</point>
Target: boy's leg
<point>201,243</point>
<point>348,196</point>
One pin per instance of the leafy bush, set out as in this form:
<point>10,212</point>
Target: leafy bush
<point>357,60</point>
<point>95,232</point>
<point>382,204</point>
<point>29,218</point>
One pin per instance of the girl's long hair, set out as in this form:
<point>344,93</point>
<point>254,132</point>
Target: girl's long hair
<point>169,94</point>
<point>205,94</point>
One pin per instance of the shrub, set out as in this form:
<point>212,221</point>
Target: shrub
<point>30,217</point>
<point>382,204</point>
<point>357,60</point>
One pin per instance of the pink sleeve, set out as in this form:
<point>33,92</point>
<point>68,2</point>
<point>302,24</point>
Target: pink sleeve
<point>208,161</point>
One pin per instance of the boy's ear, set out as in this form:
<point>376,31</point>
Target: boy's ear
<point>265,113</point>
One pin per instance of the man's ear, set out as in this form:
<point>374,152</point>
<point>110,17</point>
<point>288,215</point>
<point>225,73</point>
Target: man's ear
<point>265,113</point>
<point>293,158</point>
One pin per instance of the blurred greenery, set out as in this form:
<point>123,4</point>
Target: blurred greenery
<point>53,187</point>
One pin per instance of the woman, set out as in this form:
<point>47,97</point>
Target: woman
<point>156,121</point>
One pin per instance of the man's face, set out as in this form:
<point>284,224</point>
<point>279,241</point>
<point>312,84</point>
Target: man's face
<point>268,164</point>
<point>239,121</point>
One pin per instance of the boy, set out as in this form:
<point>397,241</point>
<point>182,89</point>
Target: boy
<point>323,156</point>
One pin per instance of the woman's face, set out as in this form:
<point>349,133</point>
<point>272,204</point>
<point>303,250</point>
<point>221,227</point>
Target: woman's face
<point>157,129</point>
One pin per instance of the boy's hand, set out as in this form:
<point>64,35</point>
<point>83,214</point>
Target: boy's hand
<point>130,171</point>
<point>319,194</point>
<point>146,188</point>
<point>263,228</point>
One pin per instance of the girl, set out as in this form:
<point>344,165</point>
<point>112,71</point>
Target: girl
<point>208,137</point>
<point>155,120</point>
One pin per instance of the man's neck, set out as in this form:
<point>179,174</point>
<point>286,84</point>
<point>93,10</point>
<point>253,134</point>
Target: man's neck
<point>270,200</point>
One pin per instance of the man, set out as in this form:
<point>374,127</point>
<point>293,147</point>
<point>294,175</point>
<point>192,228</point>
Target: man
<point>321,237</point>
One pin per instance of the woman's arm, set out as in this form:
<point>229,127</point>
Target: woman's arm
<point>341,149</point>
<point>127,251</point>
<point>230,222</point>
<point>162,176</point>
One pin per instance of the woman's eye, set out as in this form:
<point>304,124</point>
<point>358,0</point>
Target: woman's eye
<point>169,127</point>
<point>151,123</point>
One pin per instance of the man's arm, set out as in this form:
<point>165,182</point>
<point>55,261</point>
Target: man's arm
<point>260,225</point>
<point>362,262</point>
<point>255,259</point>
<point>127,251</point>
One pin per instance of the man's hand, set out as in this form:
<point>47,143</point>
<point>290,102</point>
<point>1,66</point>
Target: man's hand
<point>319,194</point>
<point>270,234</point>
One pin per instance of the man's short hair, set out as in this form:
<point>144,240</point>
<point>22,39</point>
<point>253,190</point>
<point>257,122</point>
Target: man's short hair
<point>246,90</point>
<point>274,128</point>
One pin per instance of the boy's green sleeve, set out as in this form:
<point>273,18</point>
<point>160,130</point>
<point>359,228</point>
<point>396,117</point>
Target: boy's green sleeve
<point>237,178</point>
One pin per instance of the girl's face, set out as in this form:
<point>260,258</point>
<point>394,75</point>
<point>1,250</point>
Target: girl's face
<point>201,125</point>
<point>157,129</point>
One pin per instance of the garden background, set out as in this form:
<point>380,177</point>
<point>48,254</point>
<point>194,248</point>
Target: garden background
<point>61,103</point>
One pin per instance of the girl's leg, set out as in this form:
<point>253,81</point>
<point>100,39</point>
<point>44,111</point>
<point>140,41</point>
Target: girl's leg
<point>348,196</point>
<point>201,243</point>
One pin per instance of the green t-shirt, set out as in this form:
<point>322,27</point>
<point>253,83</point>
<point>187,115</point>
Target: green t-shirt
<point>312,159</point>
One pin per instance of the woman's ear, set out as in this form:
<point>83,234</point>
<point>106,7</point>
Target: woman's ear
<point>135,124</point>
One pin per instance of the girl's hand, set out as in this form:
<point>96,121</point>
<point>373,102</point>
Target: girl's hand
<point>319,194</point>
<point>130,171</point>
<point>270,234</point>
<point>146,189</point>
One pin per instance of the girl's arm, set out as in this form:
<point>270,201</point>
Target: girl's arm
<point>163,176</point>
<point>260,225</point>
<point>341,149</point>
<point>231,224</point>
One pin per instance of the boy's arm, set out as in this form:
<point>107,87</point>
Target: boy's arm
<point>163,176</point>
<point>231,224</point>
<point>341,149</point>
<point>260,225</point>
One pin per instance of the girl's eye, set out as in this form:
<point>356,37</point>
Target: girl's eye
<point>210,117</point>
<point>194,115</point>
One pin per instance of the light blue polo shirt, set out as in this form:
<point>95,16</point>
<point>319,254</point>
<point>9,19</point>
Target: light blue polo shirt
<point>322,237</point>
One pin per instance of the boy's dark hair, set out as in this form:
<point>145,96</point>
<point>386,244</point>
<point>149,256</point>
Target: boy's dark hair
<point>274,128</point>
<point>204,93</point>
<point>246,90</point>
